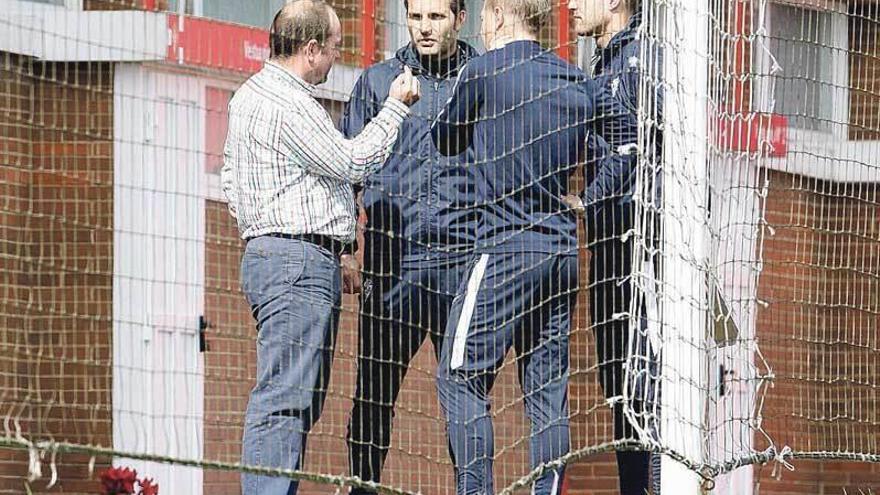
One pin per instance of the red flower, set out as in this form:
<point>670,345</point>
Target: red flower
<point>148,487</point>
<point>118,481</point>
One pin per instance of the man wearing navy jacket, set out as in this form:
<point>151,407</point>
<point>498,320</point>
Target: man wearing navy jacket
<point>617,67</point>
<point>417,235</point>
<point>526,115</point>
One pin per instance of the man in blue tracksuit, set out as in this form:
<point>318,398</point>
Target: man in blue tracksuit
<point>417,240</point>
<point>526,114</point>
<point>617,67</point>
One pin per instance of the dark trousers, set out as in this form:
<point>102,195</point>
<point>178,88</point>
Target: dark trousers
<point>405,300</point>
<point>610,297</point>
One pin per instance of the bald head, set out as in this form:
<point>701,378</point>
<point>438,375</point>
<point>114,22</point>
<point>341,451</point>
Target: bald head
<point>297,23</point>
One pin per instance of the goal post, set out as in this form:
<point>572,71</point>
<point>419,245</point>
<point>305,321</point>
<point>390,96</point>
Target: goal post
<point>684,240</point>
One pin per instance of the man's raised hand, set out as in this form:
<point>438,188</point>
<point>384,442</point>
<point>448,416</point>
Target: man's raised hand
<point>405,87</point>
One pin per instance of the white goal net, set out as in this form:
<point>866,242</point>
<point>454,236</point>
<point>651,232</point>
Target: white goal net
<point>592,262</point>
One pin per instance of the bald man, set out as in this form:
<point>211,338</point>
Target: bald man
<point>288,176</point>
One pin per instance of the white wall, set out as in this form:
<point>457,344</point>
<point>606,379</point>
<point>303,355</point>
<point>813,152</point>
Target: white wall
<point>736,212</point>
<point>159,271</point>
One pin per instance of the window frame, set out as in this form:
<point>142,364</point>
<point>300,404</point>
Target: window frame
<point>395,28</point>
<point>822,155</point>
<point>763,91</point>
<point>197,7</point>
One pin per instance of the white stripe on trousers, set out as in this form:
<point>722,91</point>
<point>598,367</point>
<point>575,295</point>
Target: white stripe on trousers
<point>467,312</point>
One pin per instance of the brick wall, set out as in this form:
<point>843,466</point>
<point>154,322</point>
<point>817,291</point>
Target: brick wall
<point>57,166</point>
<point>820,270</point>
<point>418,458</point>
<point>591,422</point>
<point>15,175</point>
<point>230,362</point>
<point>864,52</point>
<point>820,332</point>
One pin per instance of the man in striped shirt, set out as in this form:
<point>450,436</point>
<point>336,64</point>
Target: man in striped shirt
<point>287,174</point>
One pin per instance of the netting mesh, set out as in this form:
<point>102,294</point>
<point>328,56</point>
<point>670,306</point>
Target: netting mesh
<point>718,306</point>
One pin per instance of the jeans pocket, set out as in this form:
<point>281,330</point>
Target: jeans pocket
<point>294,263</point>
<point>251,264</point>
<point>320,282</point>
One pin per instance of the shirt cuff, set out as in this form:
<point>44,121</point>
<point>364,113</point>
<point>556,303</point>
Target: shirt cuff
<point>398,108</point>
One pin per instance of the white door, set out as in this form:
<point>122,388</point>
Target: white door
<point>176,383</point>
<point>733,371</point>
<point>159,230</point>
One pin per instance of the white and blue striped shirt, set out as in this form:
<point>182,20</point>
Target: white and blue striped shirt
<point>287,169</point>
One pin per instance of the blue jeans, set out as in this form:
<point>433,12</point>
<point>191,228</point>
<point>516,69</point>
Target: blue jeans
<point>294,290</point>
<point>519,300</point>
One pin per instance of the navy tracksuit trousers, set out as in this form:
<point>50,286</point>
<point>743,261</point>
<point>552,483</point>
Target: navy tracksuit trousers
<point>405,300</point>
<point>519,300</point>
<point>610,296</point>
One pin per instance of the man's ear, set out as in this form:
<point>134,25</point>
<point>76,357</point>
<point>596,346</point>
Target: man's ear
<point>499,16</point>
<point>613,5</point>
<point>313,48</point>
<point>460,20</point>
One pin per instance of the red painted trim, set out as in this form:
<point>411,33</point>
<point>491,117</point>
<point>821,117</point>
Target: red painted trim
<point>368,32</point>
<point>563,30</point>
<point>216,44</point>
<point>738,128</point>
<point>752,132</point>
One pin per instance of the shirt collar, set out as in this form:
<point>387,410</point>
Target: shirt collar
<point>280,73</point>
<point>629,32</point>
<point>603,56</point>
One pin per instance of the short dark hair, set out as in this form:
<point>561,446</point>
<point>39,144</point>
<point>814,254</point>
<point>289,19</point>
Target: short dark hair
<point>455,6</point>
<point>297,23</point>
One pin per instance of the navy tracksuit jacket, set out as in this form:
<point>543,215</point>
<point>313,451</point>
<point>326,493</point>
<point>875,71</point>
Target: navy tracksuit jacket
<point>526,115</point>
